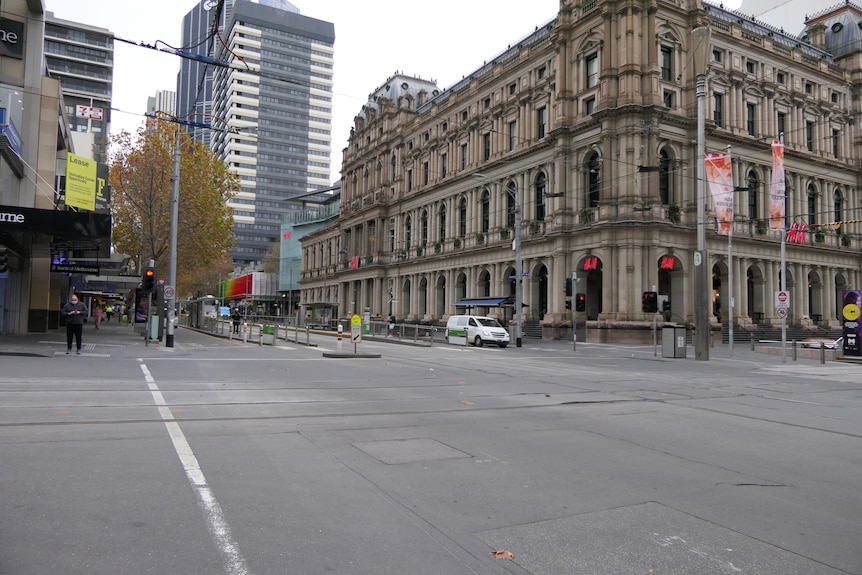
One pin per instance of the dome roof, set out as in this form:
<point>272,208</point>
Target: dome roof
<point>843,28</point>
<point>398,86</point>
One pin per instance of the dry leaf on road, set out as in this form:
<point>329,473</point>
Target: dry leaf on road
<point>503,554</point>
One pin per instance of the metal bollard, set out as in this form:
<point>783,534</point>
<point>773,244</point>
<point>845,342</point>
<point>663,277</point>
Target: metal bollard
<point>340,333</point>
<point>260,334</point>
<point>752,343</point>
<point>307,335</point>
<point>822,353</point>
<point>245,332</point>
<point>794,350</point>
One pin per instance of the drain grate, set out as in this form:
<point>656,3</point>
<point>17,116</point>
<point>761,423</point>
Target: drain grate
<point>395,451</point>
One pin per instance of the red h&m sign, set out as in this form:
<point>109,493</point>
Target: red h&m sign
<point>667,263</point>
<point>591,263</point>
<point>354,262</point>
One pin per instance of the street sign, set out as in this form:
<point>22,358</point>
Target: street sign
<point>698,258</point>
<point>169,292</point>
<point>782,312</point>
<point>782,299</point>
<point>355,329</point>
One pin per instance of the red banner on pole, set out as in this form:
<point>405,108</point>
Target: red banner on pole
<point>776,196</point>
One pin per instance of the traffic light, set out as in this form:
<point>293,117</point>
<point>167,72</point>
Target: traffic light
<point>148,281</point>
<point>4,259</point>
<point>650,302</point>
<point>568,304</point>
<point>568,286</point>
<point>580,302</point>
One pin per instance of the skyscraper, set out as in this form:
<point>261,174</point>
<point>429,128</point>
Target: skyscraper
<point>276,98</point>
<point>164,101</point>
<point>82,57</point>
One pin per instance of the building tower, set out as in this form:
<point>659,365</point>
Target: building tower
<point>82,57</point>
<point>277,100</point>
<point>164,101</point>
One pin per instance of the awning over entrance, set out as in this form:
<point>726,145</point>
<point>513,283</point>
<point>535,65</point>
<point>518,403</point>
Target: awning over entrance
<point>484,302</point>
<point>320,305</point>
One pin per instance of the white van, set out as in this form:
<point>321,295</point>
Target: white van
<point>475,329</point>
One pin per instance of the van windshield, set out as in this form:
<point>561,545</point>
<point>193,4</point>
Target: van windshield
<point>488,322</point>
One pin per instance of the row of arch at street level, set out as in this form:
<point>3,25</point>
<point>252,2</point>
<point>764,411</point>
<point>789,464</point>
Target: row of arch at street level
<point>429,297</point>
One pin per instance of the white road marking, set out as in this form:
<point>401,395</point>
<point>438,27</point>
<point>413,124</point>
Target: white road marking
<point>232,559</point>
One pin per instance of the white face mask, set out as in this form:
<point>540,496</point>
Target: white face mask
<point>74,300</point>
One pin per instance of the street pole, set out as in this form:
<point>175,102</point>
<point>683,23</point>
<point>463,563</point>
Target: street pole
<point>701,37</point>
<point>172,258</point>
<point>519,276</point>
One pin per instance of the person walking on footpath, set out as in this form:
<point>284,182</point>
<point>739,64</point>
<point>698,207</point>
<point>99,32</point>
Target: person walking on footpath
<point>109,311</point>
<point>75,312</point>
<point>97,315</point>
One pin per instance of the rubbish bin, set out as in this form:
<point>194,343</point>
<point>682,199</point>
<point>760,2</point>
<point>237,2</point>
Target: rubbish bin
<point>268,335</point>
<point>673,341</point>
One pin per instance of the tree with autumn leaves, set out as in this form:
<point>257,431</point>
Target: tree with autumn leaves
<point>141,171</point>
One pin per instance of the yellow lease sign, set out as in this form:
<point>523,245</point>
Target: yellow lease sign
<point>80,182</point>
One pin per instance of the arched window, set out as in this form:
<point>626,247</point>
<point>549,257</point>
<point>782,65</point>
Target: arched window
<point>408,232</point>
<point>753,194</point>
<point>424,227</point>
<point>511,190</point>
<point>594,180</point>
<point>837,207</point>
<point>441,233</point>
<point>540,197</point>
<point>392,164</point>
<point>664,177</point>
<point>486,211</point>
<point>812,205</point>
<point>462,218</point>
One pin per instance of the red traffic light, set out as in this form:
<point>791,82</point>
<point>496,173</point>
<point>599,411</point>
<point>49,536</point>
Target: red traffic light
<point>148,281</point>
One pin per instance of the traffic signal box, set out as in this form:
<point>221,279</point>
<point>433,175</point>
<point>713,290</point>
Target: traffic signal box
<point>148,280</point>
<point>650,302</point>
<point>580,302</point>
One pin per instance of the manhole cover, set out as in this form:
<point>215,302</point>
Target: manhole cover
<point>396,451</point>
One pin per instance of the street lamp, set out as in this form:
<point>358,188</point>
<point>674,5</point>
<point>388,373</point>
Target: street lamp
<point>701,38</point>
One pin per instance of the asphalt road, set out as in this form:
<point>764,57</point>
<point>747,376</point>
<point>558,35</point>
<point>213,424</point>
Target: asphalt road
<point>217,457</point>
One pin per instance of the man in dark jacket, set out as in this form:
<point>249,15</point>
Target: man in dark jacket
<point>75,312</point>
<point>236,317</point>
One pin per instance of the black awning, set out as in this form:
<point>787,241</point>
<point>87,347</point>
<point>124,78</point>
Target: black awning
<point>484,302</point>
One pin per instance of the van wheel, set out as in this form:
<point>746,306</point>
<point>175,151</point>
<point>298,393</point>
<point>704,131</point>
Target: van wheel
<point>478,341</point>
<point>503,345</point>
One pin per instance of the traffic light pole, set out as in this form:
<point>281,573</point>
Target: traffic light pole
<point>172,258</point>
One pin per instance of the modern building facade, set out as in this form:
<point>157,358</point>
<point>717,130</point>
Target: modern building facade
<point>82,57</point>
<point>35,137</point>
<point>272,110</point>
<point>588,128</point>
<point>164,101</point>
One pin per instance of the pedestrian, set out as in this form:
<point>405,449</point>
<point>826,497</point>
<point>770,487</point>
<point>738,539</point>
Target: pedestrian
<point>97,315</point>
<point>391,325</point>
<point>236,317</point>
<point>109,311</point>
<point>75,312</point>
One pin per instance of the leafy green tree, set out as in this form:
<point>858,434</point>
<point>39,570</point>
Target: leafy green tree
<point>141,172</point>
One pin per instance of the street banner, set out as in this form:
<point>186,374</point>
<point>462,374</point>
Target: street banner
<point>776,195</point>
<point>719,175</point>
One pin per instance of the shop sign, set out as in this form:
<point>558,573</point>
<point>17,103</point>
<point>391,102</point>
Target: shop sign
<point>11,38</point>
